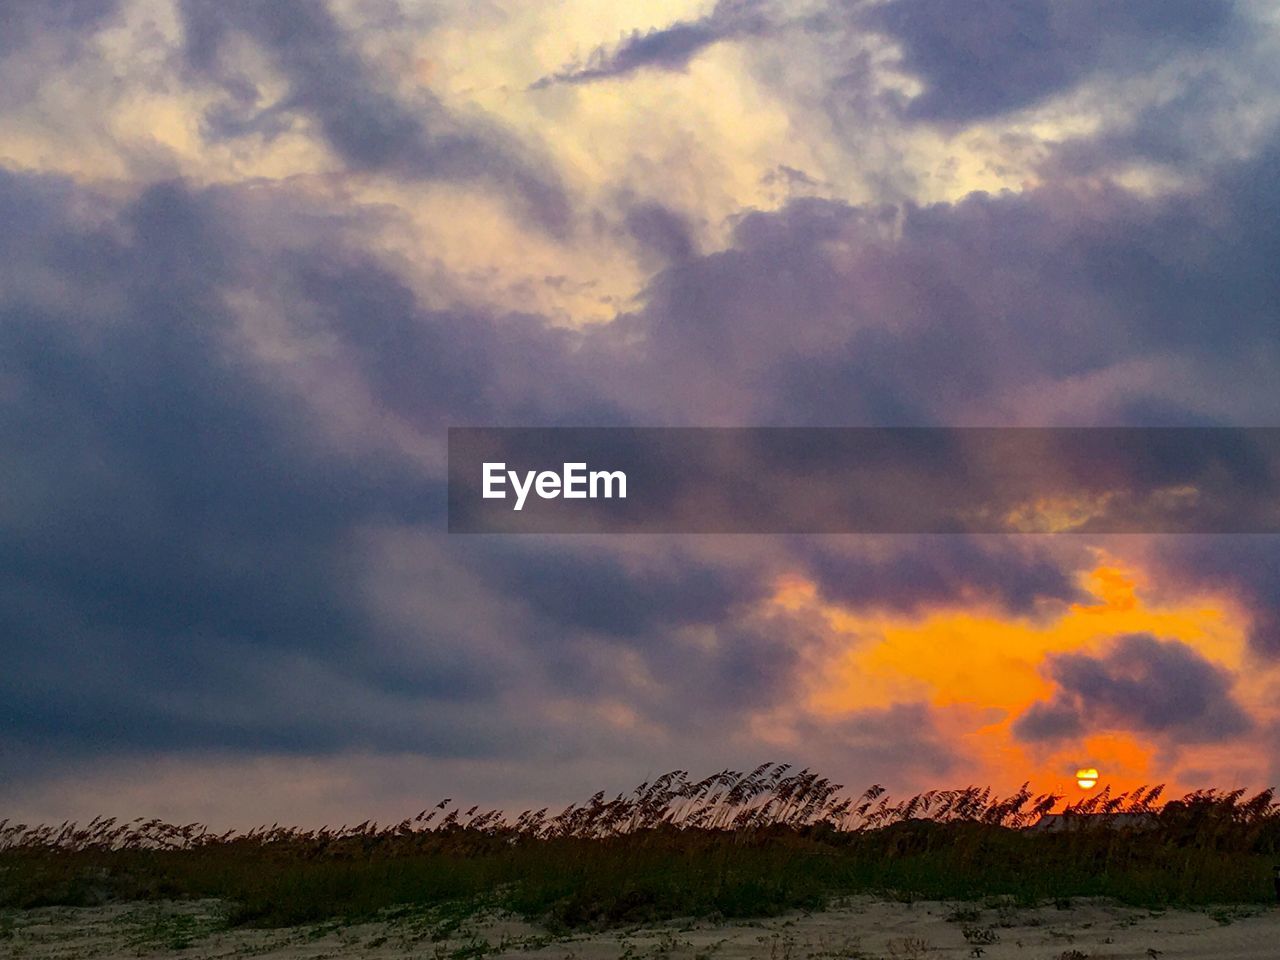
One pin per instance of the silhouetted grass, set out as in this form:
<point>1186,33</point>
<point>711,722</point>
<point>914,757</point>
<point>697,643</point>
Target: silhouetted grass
<point>733,845</point>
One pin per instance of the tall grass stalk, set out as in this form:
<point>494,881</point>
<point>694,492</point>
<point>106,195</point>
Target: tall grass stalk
<point>732,844</point>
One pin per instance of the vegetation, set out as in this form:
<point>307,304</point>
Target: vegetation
<point>732,844</point>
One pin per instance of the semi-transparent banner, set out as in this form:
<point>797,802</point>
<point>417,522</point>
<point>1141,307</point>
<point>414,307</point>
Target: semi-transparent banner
<point>864,480</point>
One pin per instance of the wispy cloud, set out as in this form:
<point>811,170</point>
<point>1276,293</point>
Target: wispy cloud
<point>665,48</point>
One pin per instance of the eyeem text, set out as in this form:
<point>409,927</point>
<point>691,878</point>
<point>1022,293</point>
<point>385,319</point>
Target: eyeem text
<point>573,482</point>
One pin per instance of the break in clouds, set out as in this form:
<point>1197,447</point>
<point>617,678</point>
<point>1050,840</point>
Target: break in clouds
<point>245,287</point>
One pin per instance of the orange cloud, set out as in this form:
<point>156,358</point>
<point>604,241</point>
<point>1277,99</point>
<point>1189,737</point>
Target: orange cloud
<point>979,668</point>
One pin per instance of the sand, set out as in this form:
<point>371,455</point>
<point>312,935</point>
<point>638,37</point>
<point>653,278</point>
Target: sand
<point>857,928</point>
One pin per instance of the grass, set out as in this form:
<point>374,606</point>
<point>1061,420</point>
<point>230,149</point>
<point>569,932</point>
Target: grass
<point>731,845</point>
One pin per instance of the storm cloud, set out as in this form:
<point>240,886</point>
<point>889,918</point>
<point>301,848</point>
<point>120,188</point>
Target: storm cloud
<point>995,56</point>
<point>1140,684</point>
<point>226,375</point>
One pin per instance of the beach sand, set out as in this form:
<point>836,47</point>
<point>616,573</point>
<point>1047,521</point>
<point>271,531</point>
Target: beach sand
<point>857,928</point>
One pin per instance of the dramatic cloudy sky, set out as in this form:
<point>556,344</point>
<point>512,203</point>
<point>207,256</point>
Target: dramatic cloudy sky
<point>255,257</point>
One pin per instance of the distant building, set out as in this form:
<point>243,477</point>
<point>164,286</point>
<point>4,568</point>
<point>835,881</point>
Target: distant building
<point>1061,822</point>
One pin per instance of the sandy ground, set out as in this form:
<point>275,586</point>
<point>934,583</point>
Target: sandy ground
<point>859,928</point>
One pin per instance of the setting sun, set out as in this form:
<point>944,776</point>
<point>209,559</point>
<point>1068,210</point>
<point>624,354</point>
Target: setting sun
<point>1087,778</point>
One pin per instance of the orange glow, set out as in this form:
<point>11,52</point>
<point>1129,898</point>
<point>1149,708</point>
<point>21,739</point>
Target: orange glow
<point>979,669</point>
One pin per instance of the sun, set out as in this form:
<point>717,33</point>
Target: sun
<point>1087,778</point>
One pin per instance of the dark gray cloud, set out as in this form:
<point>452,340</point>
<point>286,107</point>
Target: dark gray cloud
<point>661,234</point>
<point>1141,684</point>
<point>1246,568</point>
<point>665,48</point>
<point>180,565</point>
<point>172,522</point>
<point>21,23</point>
<point>1019,576</point>
<point>905,740</point>
<point>922,315</point>
<point>179,561</point>
<point>362,120</point>
<point>440,368</point>
<point>990,57</point>
<point>1174,132</point>
<point>598,591</point>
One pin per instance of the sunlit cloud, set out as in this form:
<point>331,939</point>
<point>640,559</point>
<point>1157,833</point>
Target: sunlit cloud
<point>992,679</point>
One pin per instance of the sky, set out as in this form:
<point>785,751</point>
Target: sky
<point>257,257</point>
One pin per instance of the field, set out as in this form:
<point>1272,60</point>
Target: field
<point>728,849</point>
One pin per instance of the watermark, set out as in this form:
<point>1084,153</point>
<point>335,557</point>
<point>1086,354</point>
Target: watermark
<point>864,480</point>
<point>573,482</point>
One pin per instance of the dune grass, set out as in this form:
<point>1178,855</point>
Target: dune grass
<point>731,845</point>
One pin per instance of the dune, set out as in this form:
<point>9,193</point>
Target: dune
<point>858,928</point>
